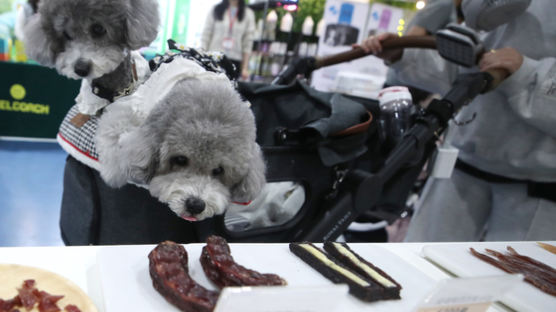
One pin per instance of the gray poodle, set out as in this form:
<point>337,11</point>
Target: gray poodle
<point>192,143</point>
<point>92,40</point>
<point>182,132</point>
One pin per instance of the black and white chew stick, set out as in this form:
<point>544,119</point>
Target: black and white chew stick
<point>330,268</point>
<point>367,270</point>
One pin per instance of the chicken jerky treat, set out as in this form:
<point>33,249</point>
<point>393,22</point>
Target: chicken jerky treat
<point>30,289</point>
<point>170,274</point>
<point>535,272</point>
<point>222,270</point>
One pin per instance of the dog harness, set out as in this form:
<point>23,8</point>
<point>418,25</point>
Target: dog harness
<point>110,94</point>
<point>77,131</point>
<point>211,61</point>
<point>92,97</point>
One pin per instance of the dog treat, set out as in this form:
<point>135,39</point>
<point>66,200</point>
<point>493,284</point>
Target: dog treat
<point>536,273</point>
<point>361,287</point>
<point>548,247</point>
<point>170,274</point>
<point>355,262</point>
<point>222,270</point>
<point>30,298</point>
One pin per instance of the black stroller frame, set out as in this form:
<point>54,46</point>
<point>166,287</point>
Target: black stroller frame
<point>363,190</point>
<point>374,183</point>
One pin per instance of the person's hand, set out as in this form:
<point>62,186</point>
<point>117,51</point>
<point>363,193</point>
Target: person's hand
<point>244,74</point>
<point>508,59</point>
<point>373,44</point>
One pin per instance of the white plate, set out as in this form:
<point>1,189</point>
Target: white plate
<point>13,276</point>
<point>458,260</point>
<point>127,285</point>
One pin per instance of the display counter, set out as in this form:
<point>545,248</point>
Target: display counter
<point>117,278</point>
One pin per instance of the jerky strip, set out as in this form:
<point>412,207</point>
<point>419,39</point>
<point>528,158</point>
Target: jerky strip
<point>534,270</point>
<point>338,273</point>
<point>533,274</point>
<point>355,262</point>
<point>550,270</point>
<point>220,267</point>
<point>169,272</point>
<point>28,296</point>
<point>491,261</point>
<point>548,247</point>
<point>47,302</point>
<point>10,304</point>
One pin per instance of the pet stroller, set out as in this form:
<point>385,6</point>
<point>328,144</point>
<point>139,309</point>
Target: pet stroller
<point>325,143</point>
<point>329,144</point>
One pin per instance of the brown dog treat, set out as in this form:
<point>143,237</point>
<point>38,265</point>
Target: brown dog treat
<point>222,270</point>
<point>169,272</point>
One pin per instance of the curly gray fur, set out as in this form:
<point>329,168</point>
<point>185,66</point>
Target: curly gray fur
<point>206,122</point>
<point>62,32</point>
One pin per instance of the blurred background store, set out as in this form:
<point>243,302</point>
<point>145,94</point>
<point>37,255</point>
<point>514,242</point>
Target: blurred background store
<point>34,99</point>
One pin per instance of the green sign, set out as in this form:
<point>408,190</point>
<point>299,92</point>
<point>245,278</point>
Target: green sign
<point>33,100</point>
<point>174,20</point>
<point>181,16</point>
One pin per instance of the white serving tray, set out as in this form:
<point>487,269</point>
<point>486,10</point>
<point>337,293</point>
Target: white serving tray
<point>127,285</point>
<point>458,260</point>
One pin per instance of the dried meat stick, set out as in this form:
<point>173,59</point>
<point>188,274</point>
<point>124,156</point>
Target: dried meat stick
<point>530,270</point>
<point>535,262</point>
<point>491,261</point>
<point>169,272</point>
<point>220,267</point>
<point>548,247</point>
<point>505,266</point>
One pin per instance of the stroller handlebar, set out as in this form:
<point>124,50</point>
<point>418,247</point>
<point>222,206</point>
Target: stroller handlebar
<point>426,42</point>
<point>298,66</point>
<point>306,65</point>
<point>455,44</point>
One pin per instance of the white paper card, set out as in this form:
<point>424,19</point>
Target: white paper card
<point>471,294</point>
<point>444,162</point>
<point>281,299</point>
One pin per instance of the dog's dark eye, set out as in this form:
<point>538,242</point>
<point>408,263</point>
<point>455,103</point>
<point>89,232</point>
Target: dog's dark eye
<point>181,161</point>
<point>217,171</point>
<point>67,36</point>
<point>97,30</point>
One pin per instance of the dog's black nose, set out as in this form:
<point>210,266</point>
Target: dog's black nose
<point>194,205</point>
<point>82,67</point>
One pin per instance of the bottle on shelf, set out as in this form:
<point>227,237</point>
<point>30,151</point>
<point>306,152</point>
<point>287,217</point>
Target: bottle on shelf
<point>395,112</point>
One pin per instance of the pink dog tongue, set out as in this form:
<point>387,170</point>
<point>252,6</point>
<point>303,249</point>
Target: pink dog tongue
<point>189,218</point>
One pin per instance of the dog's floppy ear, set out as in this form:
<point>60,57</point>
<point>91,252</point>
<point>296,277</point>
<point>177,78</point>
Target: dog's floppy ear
<point>252,183</point>
<point>37,45</point>
<point>143,156</point>
<point>127,151</point>
<point>142,23</point>
<point>132,160</point>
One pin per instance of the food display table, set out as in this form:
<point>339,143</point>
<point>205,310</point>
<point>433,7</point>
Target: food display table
<point>116,278</point>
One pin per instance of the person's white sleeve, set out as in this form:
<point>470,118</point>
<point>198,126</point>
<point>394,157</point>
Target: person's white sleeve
<point>531,93</point>
<point>425,69</point>
<point>248,36</point>
<point>208,30</point>
<point>434,16</point>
